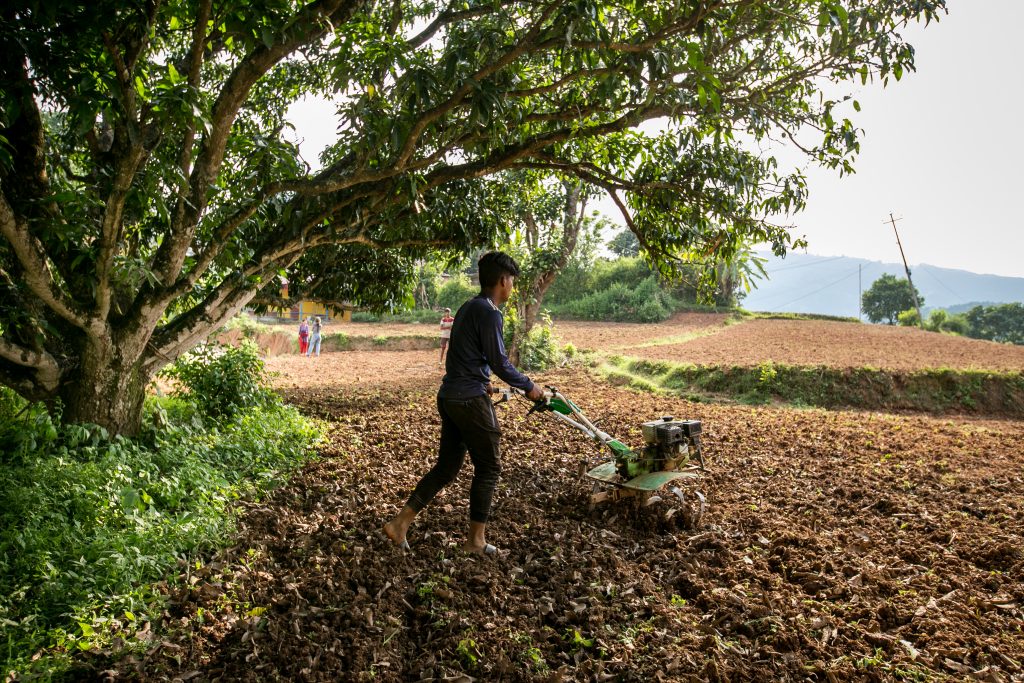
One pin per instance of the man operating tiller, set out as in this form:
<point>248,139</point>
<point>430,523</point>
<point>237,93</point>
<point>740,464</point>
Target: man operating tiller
<point>468,420</point>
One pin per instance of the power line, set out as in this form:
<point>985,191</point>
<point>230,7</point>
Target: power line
<point>821,289</point>
<point>936,278</point>
<point>805,265</point>
<point>789,290</point>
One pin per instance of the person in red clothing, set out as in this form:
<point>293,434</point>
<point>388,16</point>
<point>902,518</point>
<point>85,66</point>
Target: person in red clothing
<point>446,332</point>
<point>303,336</point>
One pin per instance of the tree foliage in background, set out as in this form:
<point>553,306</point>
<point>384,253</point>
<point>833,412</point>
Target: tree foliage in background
<point>149,187</point>
<point>887,297</point>
<point>551,215</point>
<point>624,243</point>
<point>938,320</point>
<point>1001,323</point>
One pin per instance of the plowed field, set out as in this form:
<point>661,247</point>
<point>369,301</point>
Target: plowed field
<point>706,339</point>
<point>837,546</point>
<point>837,344</point>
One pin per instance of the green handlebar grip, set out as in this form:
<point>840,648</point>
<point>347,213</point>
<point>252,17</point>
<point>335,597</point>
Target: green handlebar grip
<point>565,407</point>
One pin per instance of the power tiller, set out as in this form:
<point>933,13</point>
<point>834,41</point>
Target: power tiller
<point>671,453</point>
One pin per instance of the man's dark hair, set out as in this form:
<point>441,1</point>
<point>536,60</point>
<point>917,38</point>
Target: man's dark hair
<point>493,265</point>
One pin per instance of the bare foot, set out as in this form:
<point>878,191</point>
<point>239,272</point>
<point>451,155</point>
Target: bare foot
<point>485,549</point>
<point>396,534</point>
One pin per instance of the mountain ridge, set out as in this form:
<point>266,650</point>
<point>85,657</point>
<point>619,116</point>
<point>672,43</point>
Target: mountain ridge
<point>830,285</point>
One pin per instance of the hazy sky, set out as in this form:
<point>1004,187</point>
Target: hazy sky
<point>943,149</point>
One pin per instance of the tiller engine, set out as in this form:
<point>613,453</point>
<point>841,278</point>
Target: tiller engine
<point>671,453</point>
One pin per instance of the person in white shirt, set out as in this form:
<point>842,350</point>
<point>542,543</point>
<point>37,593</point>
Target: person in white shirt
<point>446,332</point>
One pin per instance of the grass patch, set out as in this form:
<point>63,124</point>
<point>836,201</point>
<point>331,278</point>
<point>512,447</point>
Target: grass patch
<point>934,390</point>
<point>762,315</point>
<point>416,315</point>
<point>676,338</point>
<point>340,341</point>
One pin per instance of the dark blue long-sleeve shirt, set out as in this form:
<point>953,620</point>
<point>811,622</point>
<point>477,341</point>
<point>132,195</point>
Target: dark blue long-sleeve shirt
<point>477,347</point>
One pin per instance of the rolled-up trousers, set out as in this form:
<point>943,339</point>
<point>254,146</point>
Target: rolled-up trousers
<point>466,425</point>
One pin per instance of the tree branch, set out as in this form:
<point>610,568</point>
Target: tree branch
<point>444,19</point>
<point>36,268</point>
<point>431,115</point>
<point>309,24</point>
<point>45,366</point>
<point>507,157</point>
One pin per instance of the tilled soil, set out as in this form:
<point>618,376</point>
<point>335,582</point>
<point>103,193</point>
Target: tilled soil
<point>838,344</point>
<point>836,546</point>
<point>583,334</point>
<point>601,336</point>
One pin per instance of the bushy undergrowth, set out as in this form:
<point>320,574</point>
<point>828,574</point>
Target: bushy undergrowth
<point>88,521</point>
<point>222,380</point>
<point>539,349</point>
<point>416,315</point>
<point>249,327</point>
<point>619,302</point>
<point>930,390</point>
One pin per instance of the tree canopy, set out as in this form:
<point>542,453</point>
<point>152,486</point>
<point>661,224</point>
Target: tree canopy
<point>1001,322</point>
<point>149,188</point>
<point>887,297</point>
<point>624,243</point>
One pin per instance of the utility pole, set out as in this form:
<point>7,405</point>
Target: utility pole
<point>913,292</point>
<point>860,294</point>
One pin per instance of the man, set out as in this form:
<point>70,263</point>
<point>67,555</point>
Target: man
<point>468,420</point>
<point>446,332</point>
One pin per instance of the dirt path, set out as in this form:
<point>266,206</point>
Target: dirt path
<point>837,546</point>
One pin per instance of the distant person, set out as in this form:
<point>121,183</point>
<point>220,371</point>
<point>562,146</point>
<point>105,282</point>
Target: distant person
<point>446,332</point>
<point>468,420</point>
<point>314,338</point>
<point>303,335</point>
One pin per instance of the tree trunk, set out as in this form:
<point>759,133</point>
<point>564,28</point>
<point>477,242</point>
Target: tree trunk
<point>527,311</point>
<point>108,389</point>
<point>531,298</point>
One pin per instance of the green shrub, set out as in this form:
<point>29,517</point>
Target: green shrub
<point>941,321</point>
<point>249,327</point>
<point>455,292</point>
<point>88,522</point>
<point>957,324</point>
<point>221,380</point>
<point>416,315</point>
<point>909,318</point>
<point>25,428</point>
<point>539,350</point>
<point>336,341</point>
<point>647,302</point>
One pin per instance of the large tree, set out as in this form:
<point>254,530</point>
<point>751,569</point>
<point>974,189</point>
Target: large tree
<point>148,188</point>
<point>887,297</point>
<point>552,215</point>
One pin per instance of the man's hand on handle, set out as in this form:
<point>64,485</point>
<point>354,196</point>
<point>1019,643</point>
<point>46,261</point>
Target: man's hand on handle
<point>536,393</point>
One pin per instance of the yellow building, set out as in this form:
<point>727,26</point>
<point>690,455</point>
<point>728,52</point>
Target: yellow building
<point>306,308</point>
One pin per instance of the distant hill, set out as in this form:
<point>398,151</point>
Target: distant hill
<point>805,283</point>
<point>959,308</point>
